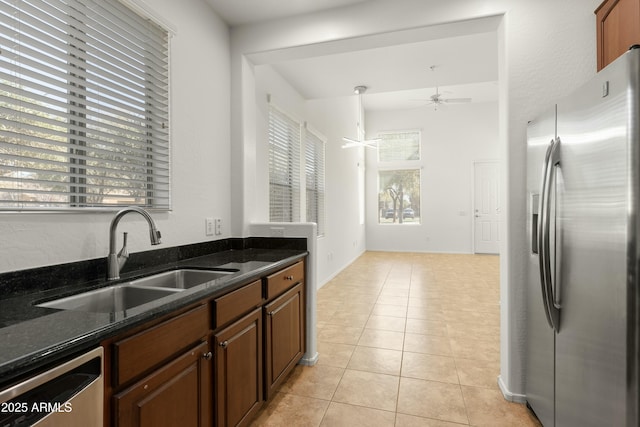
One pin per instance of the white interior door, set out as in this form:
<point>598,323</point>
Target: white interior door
<point>486,208</point>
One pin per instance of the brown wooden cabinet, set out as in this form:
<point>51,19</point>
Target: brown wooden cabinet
<point>161,374</point>
<point>617,29</point>
<point>178,394</point>
<point>238,371</point>
<point>284,336</point>
<point>213,363</point>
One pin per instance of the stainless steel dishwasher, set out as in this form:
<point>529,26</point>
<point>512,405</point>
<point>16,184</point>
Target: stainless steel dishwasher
<point>69,395</point>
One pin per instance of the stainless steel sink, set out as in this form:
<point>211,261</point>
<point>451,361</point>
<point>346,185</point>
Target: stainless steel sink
<point>180,279</point>
<point>111,299</point>
<point>124,296</point>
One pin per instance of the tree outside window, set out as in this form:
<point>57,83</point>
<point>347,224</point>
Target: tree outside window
<point>399,196</point>
<point>399,160</point>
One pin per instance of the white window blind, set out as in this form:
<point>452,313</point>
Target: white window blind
<point>399,146</point>
<point>314,175</point>
<point>84,97</point>
<point>284,167</point>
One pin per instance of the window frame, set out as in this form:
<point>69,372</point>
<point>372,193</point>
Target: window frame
<point>382,135</point>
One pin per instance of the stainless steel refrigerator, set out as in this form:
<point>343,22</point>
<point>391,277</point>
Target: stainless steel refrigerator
<point>583,227</point>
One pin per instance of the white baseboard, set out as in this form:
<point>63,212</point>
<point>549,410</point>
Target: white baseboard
<point>309,360</point>
<point>511,397</point>
<point>339,270</point>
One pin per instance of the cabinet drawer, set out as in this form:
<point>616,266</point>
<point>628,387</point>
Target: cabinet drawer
<point>237,303</point>
<point>140,352</point>
<point>284,279</point>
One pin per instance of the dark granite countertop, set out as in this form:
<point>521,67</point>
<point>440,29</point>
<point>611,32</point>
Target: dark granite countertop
<point>32,337</point>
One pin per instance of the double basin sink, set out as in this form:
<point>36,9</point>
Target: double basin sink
<point>125,296</point>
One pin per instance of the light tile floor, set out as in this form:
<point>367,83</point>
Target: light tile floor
<point>404,340</point>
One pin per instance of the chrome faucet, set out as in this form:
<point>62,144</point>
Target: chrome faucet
<point>115,262</point>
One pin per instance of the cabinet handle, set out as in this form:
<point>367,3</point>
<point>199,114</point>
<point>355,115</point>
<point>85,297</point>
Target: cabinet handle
<point>207,356</point>
<point>224,344</point>
<point>288,277</point>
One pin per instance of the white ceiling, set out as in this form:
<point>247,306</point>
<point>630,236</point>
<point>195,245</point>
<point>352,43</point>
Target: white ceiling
<point>238,12</point>
<point>397,75</point>
<point>396,68</point>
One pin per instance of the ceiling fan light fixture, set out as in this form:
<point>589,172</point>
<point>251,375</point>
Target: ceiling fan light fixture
<point>359,90</point>
<point>361,141</point>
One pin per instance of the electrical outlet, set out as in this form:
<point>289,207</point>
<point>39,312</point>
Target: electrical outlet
<point>209,226</point>
<point>218,225</point>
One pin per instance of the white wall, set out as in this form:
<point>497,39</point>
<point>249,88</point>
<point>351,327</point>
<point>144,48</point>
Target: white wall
<point>345,237</point>
<point>453,137</point>
<point>200,118</point>
<point>546,49</point>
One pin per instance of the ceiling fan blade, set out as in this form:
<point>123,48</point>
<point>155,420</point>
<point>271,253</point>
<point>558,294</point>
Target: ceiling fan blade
<point>349,143</point>
<point>456,100</point>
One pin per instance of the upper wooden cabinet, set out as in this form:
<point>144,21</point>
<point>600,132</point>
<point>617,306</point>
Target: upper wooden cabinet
<point>618,28</point>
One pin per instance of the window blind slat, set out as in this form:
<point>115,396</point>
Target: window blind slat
<point>51,81</point>
<point>106,134</point>
<point>125,184</point>
<point>134,148</point>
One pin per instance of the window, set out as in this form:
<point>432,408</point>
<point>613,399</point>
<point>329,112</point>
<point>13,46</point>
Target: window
<point>84,97</point>
<point>399,146</point>
<point>284,167</point>
<point>287,201</point>
<point>399,181</point>
<point>314,176</point>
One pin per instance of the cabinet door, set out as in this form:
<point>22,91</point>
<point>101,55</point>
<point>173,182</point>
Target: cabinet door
<point>238,373</point>
<point>179,394</point>
<point>618,28</point>
<point>284,329</point>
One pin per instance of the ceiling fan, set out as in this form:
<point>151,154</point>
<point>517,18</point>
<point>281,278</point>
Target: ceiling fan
<point>437,99</point>
<point>361,141</point>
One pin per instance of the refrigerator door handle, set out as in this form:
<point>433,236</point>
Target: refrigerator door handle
<point>540,228</point>
<point>552,294</point>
